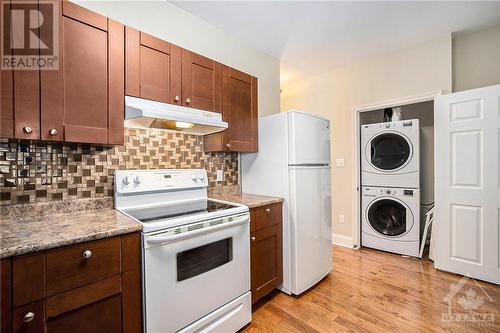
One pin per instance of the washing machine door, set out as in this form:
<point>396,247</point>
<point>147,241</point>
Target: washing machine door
<point>389,151</point>
<point>390,217</point>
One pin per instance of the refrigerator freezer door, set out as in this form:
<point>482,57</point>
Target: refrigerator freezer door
<point>309,139</point>
<point>311,224</point>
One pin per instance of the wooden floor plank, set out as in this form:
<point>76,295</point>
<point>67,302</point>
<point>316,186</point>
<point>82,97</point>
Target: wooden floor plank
<point>374,291</point>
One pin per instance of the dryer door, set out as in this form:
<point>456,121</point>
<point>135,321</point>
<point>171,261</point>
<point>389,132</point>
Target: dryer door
<point>389,217</point>
<point>389,151</point>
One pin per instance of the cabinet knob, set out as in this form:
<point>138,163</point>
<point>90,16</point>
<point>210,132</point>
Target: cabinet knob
<point>53,131</point>
<point>188,100</point>
<point>28,317</point>
<point>87,254</point>
<point>176,98</point>
<point>267,210</point>
<point>27,129</point>
<point>228,146</point>
<point>252,238</point>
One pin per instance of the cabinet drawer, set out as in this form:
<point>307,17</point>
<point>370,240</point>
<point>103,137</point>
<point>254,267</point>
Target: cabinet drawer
<point>265,216</point>
<point>78,265</point>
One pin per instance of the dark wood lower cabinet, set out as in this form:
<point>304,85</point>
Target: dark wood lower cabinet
<point>5,296</point>
<point>266,250</point>
<point>106,302</point>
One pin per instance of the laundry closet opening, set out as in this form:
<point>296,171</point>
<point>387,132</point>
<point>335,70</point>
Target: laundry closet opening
<point>396,176</point>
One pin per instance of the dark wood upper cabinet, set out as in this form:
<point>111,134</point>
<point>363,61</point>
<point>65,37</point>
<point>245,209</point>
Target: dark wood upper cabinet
<point>239,110</point>
<point>100,61</point>
<point>153,67</point>
<point>83,100</point>
<point>160,71</point>
<point>201,82</point>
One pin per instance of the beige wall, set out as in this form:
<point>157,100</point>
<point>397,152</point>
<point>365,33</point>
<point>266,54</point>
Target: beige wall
<point>420,70</point>
<point>476,59</point>
<point>177,26</point>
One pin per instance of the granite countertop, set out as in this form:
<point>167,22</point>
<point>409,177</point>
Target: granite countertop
<point>22,235</point>
<point>250,200</point>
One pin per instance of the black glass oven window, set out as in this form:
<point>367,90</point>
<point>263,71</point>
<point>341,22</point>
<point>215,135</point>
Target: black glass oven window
<point>389,151</point>
<point>388,217</point>
<point>204,258</point>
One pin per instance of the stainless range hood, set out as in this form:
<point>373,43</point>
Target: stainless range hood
<point>145,113</point>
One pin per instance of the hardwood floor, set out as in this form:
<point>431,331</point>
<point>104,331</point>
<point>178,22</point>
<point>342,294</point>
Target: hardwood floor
<point>374,291</point>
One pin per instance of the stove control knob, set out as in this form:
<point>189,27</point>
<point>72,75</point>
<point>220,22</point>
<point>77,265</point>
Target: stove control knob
<point>126,180</point>
<point>194,178</point>
<point>201,178</point>
<point>137,180</point>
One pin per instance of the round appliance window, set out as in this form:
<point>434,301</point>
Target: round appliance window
<point>388,217</point>
<point>389,151</point>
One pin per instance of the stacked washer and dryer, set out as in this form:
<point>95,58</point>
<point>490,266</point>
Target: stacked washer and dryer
<point>390,187</point>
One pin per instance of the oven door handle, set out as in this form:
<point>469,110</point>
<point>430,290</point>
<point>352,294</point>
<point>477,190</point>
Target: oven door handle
<point>195,233</point>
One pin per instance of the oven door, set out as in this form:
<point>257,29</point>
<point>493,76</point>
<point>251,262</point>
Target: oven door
<point>194,269</point>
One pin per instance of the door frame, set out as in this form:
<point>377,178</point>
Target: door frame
<point>356,191</point>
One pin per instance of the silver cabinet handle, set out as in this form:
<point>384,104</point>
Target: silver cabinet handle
<point>267,210</point>
<point>28,317</point>
<point>53,131</point>
<point>27,129</point>
<point>188,100</point>
<point>87,254</point>
<point>252,238</point>
<point>176,98</point>
<point>228,146</point>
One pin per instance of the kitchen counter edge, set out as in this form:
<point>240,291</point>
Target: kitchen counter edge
<point>248,199</point>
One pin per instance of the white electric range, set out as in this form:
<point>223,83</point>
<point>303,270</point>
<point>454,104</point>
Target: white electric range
<point>196,251</point>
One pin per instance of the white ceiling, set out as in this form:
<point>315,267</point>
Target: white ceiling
<point>311,37</point>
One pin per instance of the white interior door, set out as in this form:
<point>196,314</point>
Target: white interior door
<point>467,143</point>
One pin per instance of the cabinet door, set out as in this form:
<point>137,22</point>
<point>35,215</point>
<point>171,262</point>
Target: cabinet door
<point>5,296</point>
<point>201,82</point>
<point>83,101</point>
<point>6,104</point>
<point>239,110</point>
<point>6,93</point>
<point>267,261</point>
<point>153,68</point>
<point>20,91</point>
<point>29,318</point>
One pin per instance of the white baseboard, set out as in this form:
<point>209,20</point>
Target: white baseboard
<point>342,240</point>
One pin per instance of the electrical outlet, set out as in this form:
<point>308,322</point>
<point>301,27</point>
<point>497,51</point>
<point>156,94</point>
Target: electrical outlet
<point>341,219</point>
<point>220,175</point>
<point>340,162</point>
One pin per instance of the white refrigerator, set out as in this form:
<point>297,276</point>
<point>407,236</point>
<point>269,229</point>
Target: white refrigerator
<point>293,162</point>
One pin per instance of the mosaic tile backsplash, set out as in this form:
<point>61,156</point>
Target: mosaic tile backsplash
<point>37,171</point>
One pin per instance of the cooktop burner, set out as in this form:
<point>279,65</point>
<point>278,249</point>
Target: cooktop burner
<point>170,211</point>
